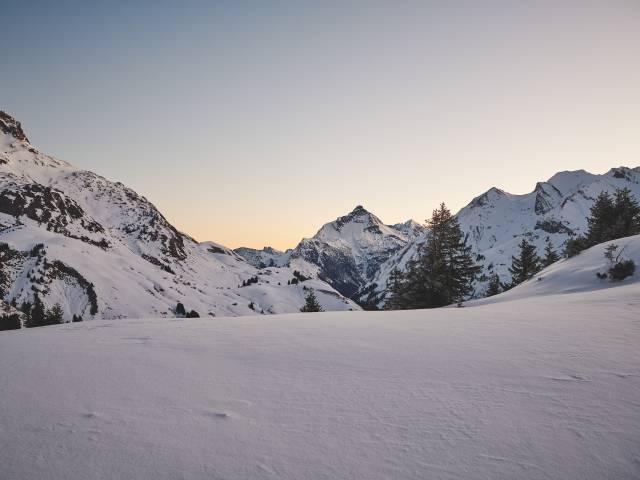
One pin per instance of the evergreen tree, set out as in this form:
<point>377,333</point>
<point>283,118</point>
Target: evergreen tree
<point>600,220</point>
<point>575,245</point>
<point>611,217</point>
<point>311,303</point>
<point>626,215</point>
<point>37,317</point>
<point>397,289</point>
<point>494,287</point>
<point>444,271</point>
<point>26,309</point>
<point>10,322</point>
<point>55,315</point>
<point>180,310</point>
<point>525,265</point>
<point>550,255</point>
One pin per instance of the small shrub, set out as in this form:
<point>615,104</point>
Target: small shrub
<point>622,270</point>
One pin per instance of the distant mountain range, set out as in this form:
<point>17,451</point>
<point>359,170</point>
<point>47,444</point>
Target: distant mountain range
<point>356,253</point>
<point>101,250</point>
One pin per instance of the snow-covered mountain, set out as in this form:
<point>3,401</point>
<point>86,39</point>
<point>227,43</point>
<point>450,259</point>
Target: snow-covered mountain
<point>496,221</point>
<point>357,253</point>
<point>103,251</point>
<point>347,253</point>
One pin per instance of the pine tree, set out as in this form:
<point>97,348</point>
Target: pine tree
<point>10,322</point>
<point>180,310</point>
<point>550,255</point>
<point>397,289</point>
<point>311,303</point>
<point>600,219</point>
<point>444,271</point>
<point>494,287</point>
<point>26,309</point>
<point>626,215</point>
<point>37,318</point>
<point>525,265</point>
<point>55,315</point>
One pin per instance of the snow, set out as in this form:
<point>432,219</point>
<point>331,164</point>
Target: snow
<point>537,384</point>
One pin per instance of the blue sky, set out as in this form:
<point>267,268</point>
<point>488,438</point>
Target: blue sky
<point>252,123</point>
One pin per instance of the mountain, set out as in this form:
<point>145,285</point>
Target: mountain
<point>356,253</point>
<point>496,221</point>
<point>101,250</point>
<point>347,253</point>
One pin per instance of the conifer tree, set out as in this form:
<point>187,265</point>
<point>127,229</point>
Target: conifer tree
<point>26,309</point>
<point>600,219</point>
<point>311,303</point>
<point>626,215</point>
<point>525,265</point>
<point>37,318</point>
<point>55,315</point>
<point>494,287</point>
<point>550,255</point>
<point>10,322</point>
<point>444,271</point>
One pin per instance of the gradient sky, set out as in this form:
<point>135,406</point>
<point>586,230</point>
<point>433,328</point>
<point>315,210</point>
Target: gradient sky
<point>253,123</point>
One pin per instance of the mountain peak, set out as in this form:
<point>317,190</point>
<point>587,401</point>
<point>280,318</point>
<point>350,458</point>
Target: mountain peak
<point>11,126</point>
<point>359,210</point>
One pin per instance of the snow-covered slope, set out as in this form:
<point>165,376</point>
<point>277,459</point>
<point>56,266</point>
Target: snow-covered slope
<point>496,221</point>
<point>103,251</point>
<point>538,387</point>
<point>576,274</point>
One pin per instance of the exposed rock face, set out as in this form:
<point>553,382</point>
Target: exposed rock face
<point>11,126</point>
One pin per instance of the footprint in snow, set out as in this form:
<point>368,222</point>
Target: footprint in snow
<point>218,415</point>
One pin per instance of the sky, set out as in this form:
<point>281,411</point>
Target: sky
<point>254,123</point>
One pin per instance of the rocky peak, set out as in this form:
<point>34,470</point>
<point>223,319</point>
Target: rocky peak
<point>11,126</point>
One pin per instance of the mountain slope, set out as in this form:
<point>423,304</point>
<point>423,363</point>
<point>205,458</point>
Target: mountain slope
<point>496,221</point>
<point>101,250</point>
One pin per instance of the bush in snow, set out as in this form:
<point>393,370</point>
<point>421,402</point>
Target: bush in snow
<point>180,310</point>
<point>622,270</point>
<point>619,268</point>
<point>193,314</point>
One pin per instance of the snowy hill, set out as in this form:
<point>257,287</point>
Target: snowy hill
<point>576,274</point>
<point>103,251</point>
<point>537,384</point>
<point>496,221</point>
